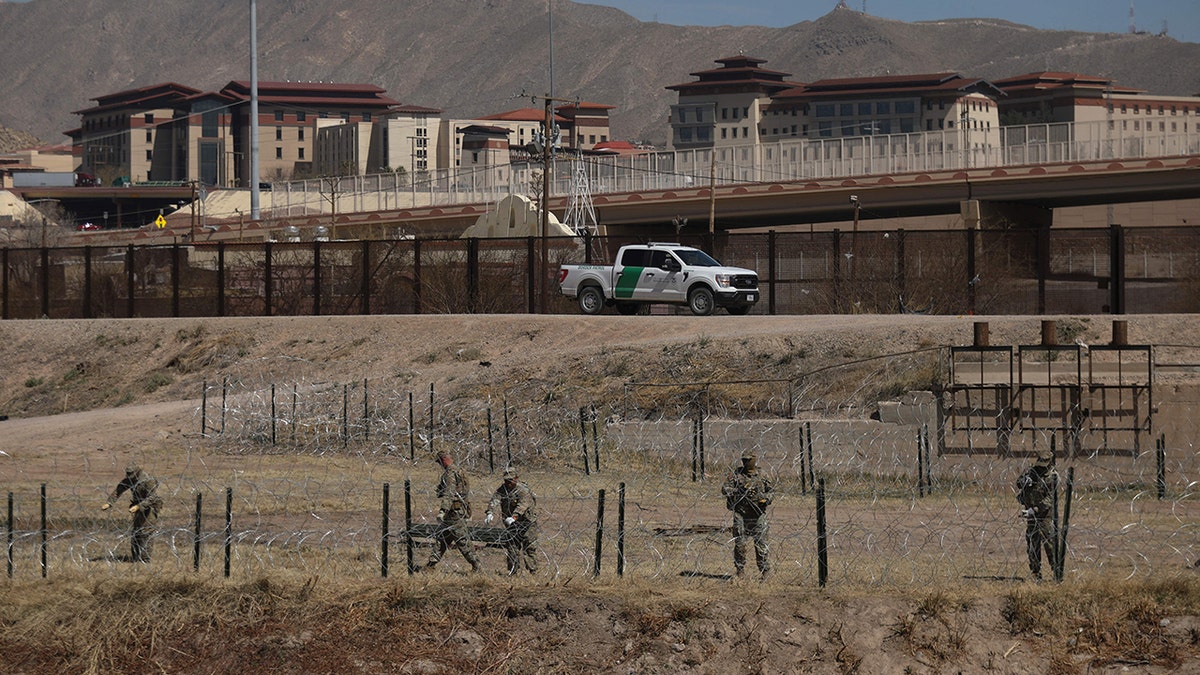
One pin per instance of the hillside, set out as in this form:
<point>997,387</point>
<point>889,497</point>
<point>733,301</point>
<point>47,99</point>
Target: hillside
<point>479,58</point>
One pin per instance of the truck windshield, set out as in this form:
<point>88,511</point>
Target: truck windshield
<point>694,258</point>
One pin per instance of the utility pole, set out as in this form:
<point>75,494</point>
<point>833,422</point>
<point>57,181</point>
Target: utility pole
<point>547,153</point>
<point>255,196</point>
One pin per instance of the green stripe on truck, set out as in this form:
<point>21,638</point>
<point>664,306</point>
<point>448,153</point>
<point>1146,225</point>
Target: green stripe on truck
<point>627,282</point>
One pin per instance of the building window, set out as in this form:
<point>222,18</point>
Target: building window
<point>699,114</point>
<point>825,110</point>
<point>846,110</point>
<point>942,124</point>
<point>734,130</point>
<point>723,132</point>
<point>603,138</point>
<point>149,136</point>
<point>278,115</point>
<point>864,109</point>
<point>279,133</point>
<point>825,128</point>
<point>149,156</point>
<point>685,134</point>
<point>149,117</point>
<point>746,111</point>
<point>580,141</point>
<point>300,153</point>
<point>883,108</point>
<point>905,108</point>
<point>592,139</point>
<point>724,113</point>
<point>278,153</point>
<point>300,117</point>
<point>366,117</point>
<point>300,134</point>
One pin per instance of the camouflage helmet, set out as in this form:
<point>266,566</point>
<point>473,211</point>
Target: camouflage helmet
<point>749,455</point>
<point>1044,458</point>
<point>510,474</point>
<point>132,469</point>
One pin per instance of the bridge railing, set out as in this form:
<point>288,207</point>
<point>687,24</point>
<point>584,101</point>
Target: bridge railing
<point>797,159</point>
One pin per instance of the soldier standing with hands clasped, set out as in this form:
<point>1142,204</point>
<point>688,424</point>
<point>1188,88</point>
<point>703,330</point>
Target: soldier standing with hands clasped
<point>748,494</point>
<point>1035,492</point>
<point>454,491</point>
<point>516,503</point>
<point>144,504</point>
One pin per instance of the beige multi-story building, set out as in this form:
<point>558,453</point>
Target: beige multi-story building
<point>171,132</point>
<point>1040,97</point>
<point>872,106</point>
<point>741,102</point>
<point>723,106</point>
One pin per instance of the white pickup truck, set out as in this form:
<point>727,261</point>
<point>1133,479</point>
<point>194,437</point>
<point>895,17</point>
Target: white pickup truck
<point>660,273</point>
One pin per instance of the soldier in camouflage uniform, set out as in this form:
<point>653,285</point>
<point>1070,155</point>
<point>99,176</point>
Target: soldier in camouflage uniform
<point>144,504</point>
<point>1035,492</point>
<point>518,508</point>
<point>748,494</point>
<point>454,491</point>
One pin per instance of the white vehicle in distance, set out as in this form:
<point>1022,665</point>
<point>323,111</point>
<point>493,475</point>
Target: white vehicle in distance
<point>660,273</point>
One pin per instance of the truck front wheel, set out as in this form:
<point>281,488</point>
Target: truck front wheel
<point>591,300</point>
<point>700,301</point>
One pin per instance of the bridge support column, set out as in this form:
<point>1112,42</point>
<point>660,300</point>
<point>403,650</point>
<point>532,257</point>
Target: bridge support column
<point>978,213</point>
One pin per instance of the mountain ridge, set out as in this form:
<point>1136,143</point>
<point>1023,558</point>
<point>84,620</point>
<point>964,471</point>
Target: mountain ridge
<point>476,58</point>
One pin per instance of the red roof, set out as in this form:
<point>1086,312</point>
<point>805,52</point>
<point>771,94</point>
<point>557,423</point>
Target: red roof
<point>889,85</point>
<point>313,93</point>
<point>166,93</point>
<point>522,115</point>
<point>584,105</point>
<point>1048,80</point>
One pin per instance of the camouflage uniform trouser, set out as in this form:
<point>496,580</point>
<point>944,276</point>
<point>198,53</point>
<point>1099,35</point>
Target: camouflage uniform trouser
<point>521,540</point>
<point>1039,534</point>
<point>745,529</point>
<point>141,532</point>
<point>453,532</point>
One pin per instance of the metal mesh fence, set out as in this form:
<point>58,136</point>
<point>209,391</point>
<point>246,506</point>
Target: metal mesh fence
<point>1010,271</point>
<point>304,466</point>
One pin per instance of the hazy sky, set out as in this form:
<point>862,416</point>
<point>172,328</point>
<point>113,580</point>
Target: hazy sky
<point>1182,17</point>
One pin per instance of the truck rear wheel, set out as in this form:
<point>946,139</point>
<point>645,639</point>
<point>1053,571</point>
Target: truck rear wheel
<point>700,301</point>
<point>591,300</point>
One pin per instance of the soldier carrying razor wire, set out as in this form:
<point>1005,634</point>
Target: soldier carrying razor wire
<point>144,504</point>
<point>748,494</point>
<point>454,509</point>
<point>1035,492</point>
<point>517,505</point>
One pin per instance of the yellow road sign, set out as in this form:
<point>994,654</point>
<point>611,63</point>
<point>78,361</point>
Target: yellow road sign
<point>160,222</point>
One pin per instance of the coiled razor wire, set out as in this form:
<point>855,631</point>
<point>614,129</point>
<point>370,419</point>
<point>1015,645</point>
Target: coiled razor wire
<point>305,463</point>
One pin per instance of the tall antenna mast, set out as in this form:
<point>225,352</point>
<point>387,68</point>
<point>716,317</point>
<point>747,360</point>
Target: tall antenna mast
<point>581,216</point>
<point>1132,25</point>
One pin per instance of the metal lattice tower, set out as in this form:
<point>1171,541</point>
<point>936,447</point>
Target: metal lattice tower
<point>580,216</point>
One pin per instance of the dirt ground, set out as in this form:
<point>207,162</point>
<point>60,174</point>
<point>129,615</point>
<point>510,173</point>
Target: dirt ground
<point>78,392</point>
